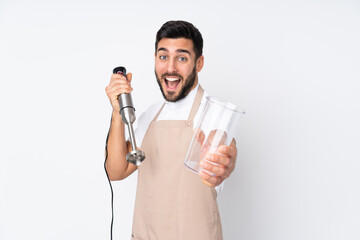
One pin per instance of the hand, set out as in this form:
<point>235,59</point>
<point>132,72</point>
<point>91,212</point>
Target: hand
<point>118,84</point>
<point>225,164</point>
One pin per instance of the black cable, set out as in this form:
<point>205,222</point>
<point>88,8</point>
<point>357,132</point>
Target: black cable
<point>112,192</point>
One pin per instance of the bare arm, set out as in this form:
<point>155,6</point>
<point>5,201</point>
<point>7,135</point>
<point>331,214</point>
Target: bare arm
<point>117,147</point>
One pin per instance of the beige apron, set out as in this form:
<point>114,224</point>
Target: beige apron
<point>172,203</point>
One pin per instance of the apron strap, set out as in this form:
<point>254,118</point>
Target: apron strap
<point>196,104</point>
<point>158,113</point>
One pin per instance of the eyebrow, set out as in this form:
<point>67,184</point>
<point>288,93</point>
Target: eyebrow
<point>180,50</point>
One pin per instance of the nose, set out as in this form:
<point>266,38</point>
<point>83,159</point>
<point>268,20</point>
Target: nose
<point>171,66</point>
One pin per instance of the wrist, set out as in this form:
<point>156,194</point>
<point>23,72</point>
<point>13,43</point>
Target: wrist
<point>116,116</point>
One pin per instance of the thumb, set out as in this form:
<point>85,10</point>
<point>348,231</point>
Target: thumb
<point>129,76</point>
<point>199,135</point>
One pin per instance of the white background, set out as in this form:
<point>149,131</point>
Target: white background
<point>292,65</point>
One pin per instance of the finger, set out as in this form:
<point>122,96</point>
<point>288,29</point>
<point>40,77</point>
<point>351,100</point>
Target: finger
<point>224,160</point>
<point>119,84</point>
<point>227,150</point>
<point>200,136</point>
<point>210,181</point>
<point>129,76</point>
<point>113,94</point>
<point>116,76</point>
<point>115,90</point>
<point>218,170</point>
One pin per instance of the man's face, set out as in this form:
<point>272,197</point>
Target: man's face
<point>175,67</point>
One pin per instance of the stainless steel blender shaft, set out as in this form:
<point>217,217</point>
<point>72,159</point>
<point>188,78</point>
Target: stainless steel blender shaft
<point>127,112</point>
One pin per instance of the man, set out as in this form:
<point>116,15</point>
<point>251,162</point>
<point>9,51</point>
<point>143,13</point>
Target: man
<point>171,202</point>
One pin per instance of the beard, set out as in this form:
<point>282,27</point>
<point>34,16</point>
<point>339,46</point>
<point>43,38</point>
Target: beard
<point>185,89</point>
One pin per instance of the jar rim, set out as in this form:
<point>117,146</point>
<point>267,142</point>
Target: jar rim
<point>225,104</point>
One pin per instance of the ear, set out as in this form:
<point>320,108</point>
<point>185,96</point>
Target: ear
<point>199,63</point>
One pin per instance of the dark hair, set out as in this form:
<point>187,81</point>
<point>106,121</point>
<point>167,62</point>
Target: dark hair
<point>181,29</point>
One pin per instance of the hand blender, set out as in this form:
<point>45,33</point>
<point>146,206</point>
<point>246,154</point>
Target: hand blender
<point>127,112</point>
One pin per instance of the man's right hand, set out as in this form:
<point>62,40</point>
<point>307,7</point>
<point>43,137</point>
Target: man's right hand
<point>118,84</point>
<point>116,165</point>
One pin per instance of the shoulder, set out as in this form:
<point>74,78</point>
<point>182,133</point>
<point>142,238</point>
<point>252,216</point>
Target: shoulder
<point>206,94</point>
<point>149,113</point>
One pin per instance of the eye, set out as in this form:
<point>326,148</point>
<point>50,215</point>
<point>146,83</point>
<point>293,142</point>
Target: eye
<point>162,57</point>
<point>182,59</point>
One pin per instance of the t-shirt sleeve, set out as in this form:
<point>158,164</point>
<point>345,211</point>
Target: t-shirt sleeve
<point>219,188</point>
<point>140,129</point>
<point>143,121</point>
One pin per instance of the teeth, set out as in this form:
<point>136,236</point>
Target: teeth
<point>171,79</point>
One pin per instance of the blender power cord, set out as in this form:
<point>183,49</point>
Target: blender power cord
<point>111,188</point>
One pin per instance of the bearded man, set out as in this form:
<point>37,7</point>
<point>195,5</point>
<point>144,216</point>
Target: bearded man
<point>171,202</point>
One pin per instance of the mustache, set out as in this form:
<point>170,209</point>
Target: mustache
<point>171,75</point>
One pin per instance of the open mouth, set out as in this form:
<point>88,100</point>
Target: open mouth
<point>172,82</point>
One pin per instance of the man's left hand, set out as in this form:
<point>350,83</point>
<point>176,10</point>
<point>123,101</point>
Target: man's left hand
<point>225,164</point>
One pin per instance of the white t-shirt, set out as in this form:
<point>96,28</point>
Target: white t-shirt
<point>178,110</point>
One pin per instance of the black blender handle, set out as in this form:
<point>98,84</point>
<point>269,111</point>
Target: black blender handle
<point>120,70</point>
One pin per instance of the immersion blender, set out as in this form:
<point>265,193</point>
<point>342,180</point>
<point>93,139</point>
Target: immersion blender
<point>127,112</point>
